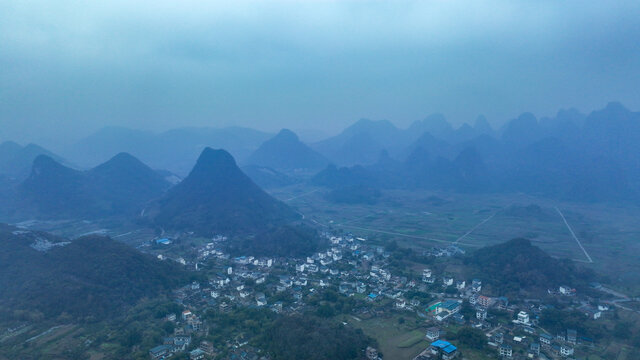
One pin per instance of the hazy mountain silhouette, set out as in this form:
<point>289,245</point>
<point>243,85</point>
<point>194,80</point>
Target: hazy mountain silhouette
<point>570,156</point>
<point>613,134</point>
<point>435,124</point>
<point>173,150</point>
<point>8,150</point>
<point>522,131</point>
<point>285,152</point>
<point>482,126</point>
<point>120,186</point>
<point>361,142</point>
<point>430,144</point>
<point>218,198</point>
<point>125,183</point>
<point>16,160</point>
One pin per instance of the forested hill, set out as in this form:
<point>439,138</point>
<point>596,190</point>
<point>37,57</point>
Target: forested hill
<point>218,198</point>
<point>517,265</point>
<point>89,278</point>
<point>119,187</point>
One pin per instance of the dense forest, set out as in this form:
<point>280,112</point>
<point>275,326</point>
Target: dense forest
<point>283,241</point>
<point>308,337</point>
<point>89,278</point>
<point>517,266</point>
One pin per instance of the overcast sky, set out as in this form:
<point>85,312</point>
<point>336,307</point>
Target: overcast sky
<point>71,67</point>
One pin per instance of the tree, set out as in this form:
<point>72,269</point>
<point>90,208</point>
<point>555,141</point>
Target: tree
<point>622,330</point>
<point>325,311</point>
<point>467,310</point>
<point>473,338</point>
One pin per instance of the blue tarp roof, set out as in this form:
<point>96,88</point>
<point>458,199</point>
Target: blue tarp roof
<point>449,349</point>
<point>444,346</point>
<point>440,344</point>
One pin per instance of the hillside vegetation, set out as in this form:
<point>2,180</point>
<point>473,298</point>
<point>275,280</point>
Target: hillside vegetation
<point>89,278</point>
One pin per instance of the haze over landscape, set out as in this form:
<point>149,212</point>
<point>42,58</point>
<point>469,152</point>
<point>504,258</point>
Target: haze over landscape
<point>320,180</point>
<point>315,65</point>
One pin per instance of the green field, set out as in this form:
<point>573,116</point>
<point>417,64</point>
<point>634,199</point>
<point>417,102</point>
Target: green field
<point>395,341</point>
<point>610,234</point>
<point>422,219</point>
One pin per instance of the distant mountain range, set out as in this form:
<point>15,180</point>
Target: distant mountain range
<point>218,198</point>
<point>572,156</point>
<point>285,152</point>
<point>363,142</point>
<point>16,160</point>
<point>174,150</point>
<point>91,277</point>
<point>121,186</point>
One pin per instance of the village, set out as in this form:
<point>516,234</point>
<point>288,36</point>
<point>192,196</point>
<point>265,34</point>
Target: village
<point>355,269</point>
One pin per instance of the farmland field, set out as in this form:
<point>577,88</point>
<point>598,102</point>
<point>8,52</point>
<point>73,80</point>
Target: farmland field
<point>420,219</point>
<point>395,340</point>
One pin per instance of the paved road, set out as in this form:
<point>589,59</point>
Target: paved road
<point>574,235</point>
<point>475,227</point>
<point>301,195</point>
<point>620,299</point>
<point>403,235</point>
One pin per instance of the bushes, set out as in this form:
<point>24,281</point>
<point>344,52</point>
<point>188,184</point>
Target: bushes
<point>308,337</point>
<point>517,265</point>
<point>472,338</point>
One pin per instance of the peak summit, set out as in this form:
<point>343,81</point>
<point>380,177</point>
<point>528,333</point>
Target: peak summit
<point>217,197</point>
<point>213,160</point>
<point>45,162</point>
<point>287,135</point>
<point>122,159</point>
<point>286,152</point>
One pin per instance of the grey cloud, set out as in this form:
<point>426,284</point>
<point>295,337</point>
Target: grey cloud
<point>72,67</point>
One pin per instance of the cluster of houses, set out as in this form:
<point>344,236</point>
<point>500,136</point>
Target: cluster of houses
<point>179,344</point>
<point>521,336</point>
<point>355,268</point>
<point>349,265</point>
<point>447,251</point>
<point>535,346</point>
<point>507,339</point>
<point>187,324</point>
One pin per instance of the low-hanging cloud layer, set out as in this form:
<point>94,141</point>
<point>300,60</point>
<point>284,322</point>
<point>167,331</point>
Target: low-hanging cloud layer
<point>70,67</point>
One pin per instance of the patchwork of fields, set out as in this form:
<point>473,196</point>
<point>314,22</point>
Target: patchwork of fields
<point>421,220</point>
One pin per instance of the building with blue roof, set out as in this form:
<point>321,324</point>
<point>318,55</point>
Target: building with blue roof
<point>443,349</point>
